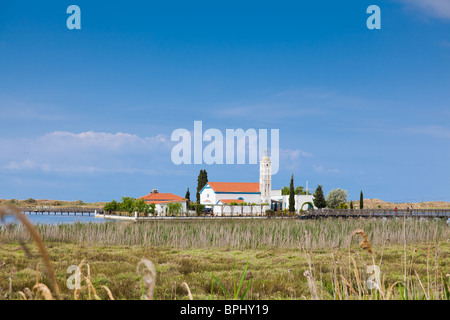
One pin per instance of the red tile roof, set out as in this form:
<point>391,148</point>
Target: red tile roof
<point>162,198</point>
<point>234,186</point>
<point>229,201</point>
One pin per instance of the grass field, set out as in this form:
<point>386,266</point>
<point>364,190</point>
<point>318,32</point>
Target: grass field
<point>268,259</point>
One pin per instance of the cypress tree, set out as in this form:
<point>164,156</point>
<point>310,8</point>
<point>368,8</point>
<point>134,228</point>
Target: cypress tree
<point>202,180</point>
<point>319,198</point>
<point>351,204</point>
<point>361,200</point>
<point>292,195</point>
<point>188,195</point>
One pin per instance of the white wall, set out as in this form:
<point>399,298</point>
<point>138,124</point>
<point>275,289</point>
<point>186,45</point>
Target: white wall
<point>161,208</point>
<point>225,210</point>
<point>299,201</point>
<point>209,194</point>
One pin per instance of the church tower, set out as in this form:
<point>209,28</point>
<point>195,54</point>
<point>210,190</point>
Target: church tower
<point>265,179</point>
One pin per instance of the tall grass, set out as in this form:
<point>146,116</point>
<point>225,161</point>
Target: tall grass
<point>343,276</point>
<point>252,234</point>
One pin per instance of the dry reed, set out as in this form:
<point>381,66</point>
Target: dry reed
<point>9,210</point>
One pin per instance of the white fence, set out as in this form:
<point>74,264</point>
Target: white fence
<point>239,210</point>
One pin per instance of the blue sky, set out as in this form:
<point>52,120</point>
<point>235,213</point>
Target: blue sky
<point>88,114</point>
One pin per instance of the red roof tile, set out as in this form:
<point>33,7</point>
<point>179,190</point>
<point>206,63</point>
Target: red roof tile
<point>234,186</point>
<point>162,198</point>
<point>228,201</point>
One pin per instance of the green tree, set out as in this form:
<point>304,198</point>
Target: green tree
<point>174,208</point>
<point>188,195</point>
<point>127,204</point>
<point>292,195</point>
<point>335,197</point>
<point>202,180</point>
<point>287,190</point>
<point>141,206</point>
<point>152,208</point>
<point>361,200</point>
<point>299,190</point>
<point>319,198</point>
<point>351,204</point>
<point>199,208</point>
<point>111,206</point>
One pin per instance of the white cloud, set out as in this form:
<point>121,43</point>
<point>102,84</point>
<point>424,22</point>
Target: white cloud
<point>104,140</point>
<point>86,152</point>
<point>26,165</point>
<point>294,154</point>
<point>437,8</point>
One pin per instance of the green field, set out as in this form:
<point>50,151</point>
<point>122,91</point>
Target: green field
<point>262,259</point>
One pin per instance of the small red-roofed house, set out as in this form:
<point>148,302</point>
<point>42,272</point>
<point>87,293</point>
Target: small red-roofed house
<point>161,200</point>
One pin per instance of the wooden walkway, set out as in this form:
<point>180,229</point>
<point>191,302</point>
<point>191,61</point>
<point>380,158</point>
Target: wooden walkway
<point>377,213</point>
<point>63,211</point>
<point>311,214</point>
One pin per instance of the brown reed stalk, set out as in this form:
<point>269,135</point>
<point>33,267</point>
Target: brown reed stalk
<point>110,295</point>
<point>22,295</point>
<point>188,290</point>
<point>149,276</point>
<point>9,210</point>
<point>42,288</point>
<point>365,243</point>
<point>311,284</point>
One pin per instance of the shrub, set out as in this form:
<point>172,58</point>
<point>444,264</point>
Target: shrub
<point>30,201</point>
<point>342,206</point>
<point>79,203</point>
<point>335,197</point>
<point>199,208</point>
<point>111,206</point>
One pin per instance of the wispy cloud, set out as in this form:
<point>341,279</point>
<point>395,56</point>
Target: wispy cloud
<point>17,109</point>
<point>436,8</point>
<point>294,154</point>
<point>431,130</point>
<point>321,169</point>
<point>289,104</point>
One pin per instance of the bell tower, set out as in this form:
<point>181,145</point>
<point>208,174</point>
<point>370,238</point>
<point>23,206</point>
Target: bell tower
<point>265,179</point>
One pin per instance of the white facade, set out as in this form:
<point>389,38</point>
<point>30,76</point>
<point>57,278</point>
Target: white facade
<point>301,201</point>
<point>272,199</point>
<point>161,209</point>
<point>265,179</point>
<point>209,197</point>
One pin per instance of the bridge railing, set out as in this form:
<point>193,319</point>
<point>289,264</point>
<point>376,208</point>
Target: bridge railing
<point>378,213</point>
<point>61,209</point>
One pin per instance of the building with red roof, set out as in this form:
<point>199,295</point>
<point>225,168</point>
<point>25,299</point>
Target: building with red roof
<point>161,200</point>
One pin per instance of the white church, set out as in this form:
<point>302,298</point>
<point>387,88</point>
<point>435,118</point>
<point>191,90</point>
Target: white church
<point>233,198</point>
